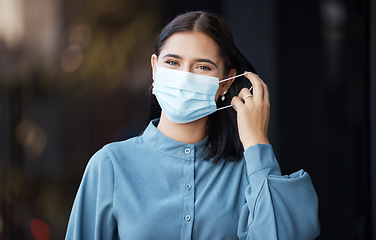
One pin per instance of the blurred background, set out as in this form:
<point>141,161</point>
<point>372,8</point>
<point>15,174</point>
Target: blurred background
<point>74,76</point>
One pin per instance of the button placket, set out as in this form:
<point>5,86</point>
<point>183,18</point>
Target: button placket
<point>188,192</point>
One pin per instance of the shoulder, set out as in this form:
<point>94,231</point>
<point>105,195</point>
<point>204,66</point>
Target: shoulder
<point>116,152</point>
<point>109,153</point>
<point>122,148</point>
<point>114,146</point>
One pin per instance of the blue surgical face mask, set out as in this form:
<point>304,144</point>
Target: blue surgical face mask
<point>185,97</point>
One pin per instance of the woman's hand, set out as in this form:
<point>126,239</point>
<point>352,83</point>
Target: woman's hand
<point>253,112</point>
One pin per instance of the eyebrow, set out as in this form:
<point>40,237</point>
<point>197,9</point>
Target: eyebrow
<point>172,55</point>
<point>197,60</point>
<point>206,60</point>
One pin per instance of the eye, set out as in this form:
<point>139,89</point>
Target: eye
<point>171,62</point>
<point>204,68</point>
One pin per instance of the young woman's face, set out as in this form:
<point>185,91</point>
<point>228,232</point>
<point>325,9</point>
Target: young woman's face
<point>193,52</point>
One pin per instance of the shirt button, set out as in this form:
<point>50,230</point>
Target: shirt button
<point>187,218</point>
<point>187,151</point>
<point>188,186</point>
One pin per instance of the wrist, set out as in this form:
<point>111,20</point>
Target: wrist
<point>252,142</point>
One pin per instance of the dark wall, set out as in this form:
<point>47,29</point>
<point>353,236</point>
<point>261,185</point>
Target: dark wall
<point>372,93</point>
<point>315,57</point>
<point>324,105</point>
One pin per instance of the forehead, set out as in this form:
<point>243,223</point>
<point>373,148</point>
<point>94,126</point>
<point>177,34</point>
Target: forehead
<point>191,44</point>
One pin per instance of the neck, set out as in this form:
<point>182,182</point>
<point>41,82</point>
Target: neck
<point>192,132</point>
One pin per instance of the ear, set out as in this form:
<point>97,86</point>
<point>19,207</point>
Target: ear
<point>153,61</point>
<point>227,84</point>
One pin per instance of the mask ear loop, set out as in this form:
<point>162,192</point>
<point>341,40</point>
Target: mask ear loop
<point>224,80</point>
<point>250,89</point>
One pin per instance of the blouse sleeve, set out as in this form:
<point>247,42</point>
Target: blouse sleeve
<point>277,207</point>
<point>92,213</point>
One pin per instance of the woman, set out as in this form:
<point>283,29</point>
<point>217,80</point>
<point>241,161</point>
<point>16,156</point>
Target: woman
<point>202,170</point>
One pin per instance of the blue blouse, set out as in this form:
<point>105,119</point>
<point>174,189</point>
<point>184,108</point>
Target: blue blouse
<point>153,187</point>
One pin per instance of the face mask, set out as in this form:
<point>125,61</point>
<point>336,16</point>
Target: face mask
<point>184,96</point>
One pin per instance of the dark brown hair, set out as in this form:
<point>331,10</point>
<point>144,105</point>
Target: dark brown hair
<point>223,139</point>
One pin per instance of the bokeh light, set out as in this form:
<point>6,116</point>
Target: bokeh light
<point>71,58</point>
<point>40,230</point>
<point>11,22</point>
<point>32,137</point>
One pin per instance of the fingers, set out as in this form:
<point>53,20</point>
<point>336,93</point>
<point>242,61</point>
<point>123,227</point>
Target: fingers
<point>266,92</point>
<point>260,93</point>
<point>260,89</point>
<point>244,93</point>
<point>238,101</point>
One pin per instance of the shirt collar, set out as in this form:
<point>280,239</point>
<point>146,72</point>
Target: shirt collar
<point>157,140</point>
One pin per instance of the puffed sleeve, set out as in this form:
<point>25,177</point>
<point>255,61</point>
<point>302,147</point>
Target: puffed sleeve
<point>92,213</point>
<point>277,207</point>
